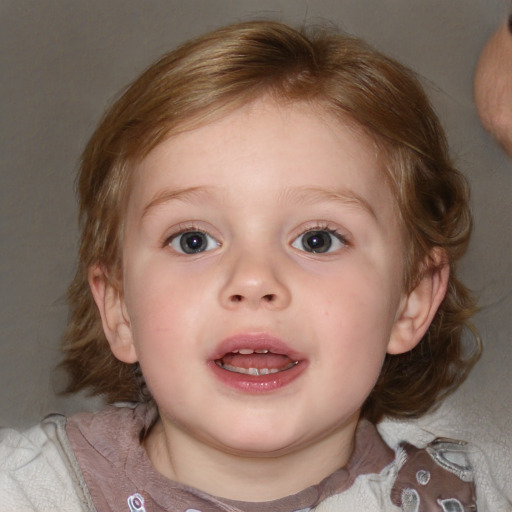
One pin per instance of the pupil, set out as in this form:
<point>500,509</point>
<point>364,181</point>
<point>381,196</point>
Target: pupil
<point>317,241</point>
<point>193,242</point>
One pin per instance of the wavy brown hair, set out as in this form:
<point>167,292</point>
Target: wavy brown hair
<point>201,81</point>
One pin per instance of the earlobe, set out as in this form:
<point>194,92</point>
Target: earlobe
<point>418,308</point>
<point>114,317</point>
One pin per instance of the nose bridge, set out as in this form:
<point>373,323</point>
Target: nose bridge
<point>255,278</point>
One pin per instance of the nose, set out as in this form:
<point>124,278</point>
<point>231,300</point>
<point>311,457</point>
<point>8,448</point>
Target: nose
<point>254,281</point>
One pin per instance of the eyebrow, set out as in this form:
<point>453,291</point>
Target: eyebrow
<point>309,195</point>
<point>167,195</point>
<point>299,195</point>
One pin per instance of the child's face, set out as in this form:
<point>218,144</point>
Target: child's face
<point>270,230</point>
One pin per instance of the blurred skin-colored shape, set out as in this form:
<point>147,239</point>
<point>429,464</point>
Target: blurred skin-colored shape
<point>493,86</point>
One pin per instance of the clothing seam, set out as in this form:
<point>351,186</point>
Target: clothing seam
<point>58,422</point>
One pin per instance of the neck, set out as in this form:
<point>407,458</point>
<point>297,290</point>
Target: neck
<point>244,476</point>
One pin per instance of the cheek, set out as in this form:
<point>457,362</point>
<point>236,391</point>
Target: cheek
<point>157,331</point>
<point>163,304</point>
<point>356,319</point>
<point>153,291</point>
<point>151,310</point>
<point>365,299</point>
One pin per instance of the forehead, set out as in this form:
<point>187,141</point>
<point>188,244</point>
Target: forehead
<point>273,149</point>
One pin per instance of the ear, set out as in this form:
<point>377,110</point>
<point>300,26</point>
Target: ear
<point>418,308</point>
<point>114,316</point>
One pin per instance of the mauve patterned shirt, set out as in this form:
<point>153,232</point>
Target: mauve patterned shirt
<point>121,478</point>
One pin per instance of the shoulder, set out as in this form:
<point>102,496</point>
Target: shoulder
<point>428,473</point>
<point>434,478</point>
<point>438,477</point>
<point>453,464</point>
<point>38,471</point>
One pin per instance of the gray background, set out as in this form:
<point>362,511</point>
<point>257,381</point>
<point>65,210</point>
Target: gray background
<point>62,61</point>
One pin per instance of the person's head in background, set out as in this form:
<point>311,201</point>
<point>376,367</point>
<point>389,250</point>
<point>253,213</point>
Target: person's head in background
<point>493,85</point>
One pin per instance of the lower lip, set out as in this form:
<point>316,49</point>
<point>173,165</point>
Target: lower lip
<point>257,383</point>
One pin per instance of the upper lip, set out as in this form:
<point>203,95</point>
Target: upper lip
<point>255,341</point>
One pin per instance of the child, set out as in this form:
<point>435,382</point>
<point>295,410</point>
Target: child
<point>270,230</point>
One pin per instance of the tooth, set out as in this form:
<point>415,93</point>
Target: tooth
<point>253,371</point>
<point>246,351</point>
<point>261,351</point>
<point>234,351</point>
<point>235,369</point>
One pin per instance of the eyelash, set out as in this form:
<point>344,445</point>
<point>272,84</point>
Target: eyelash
<point>183,229</point>
<point>328,229</point>
<point>320,228</point>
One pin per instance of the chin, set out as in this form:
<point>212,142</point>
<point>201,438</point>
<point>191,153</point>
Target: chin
<point>261,442</point>
<point>259,449</point>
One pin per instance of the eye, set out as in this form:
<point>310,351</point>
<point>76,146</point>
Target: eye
<point>192,242</point>
<point>319,241</point>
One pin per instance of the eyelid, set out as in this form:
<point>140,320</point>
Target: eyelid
<point>185,227</point>
<point>176,243</point>
<point>324,226</point>
<point>317,225</point>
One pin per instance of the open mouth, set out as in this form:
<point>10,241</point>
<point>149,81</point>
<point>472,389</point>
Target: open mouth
<point>255,362</point>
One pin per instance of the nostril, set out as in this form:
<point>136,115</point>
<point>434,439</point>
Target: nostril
<point>267,298</point>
